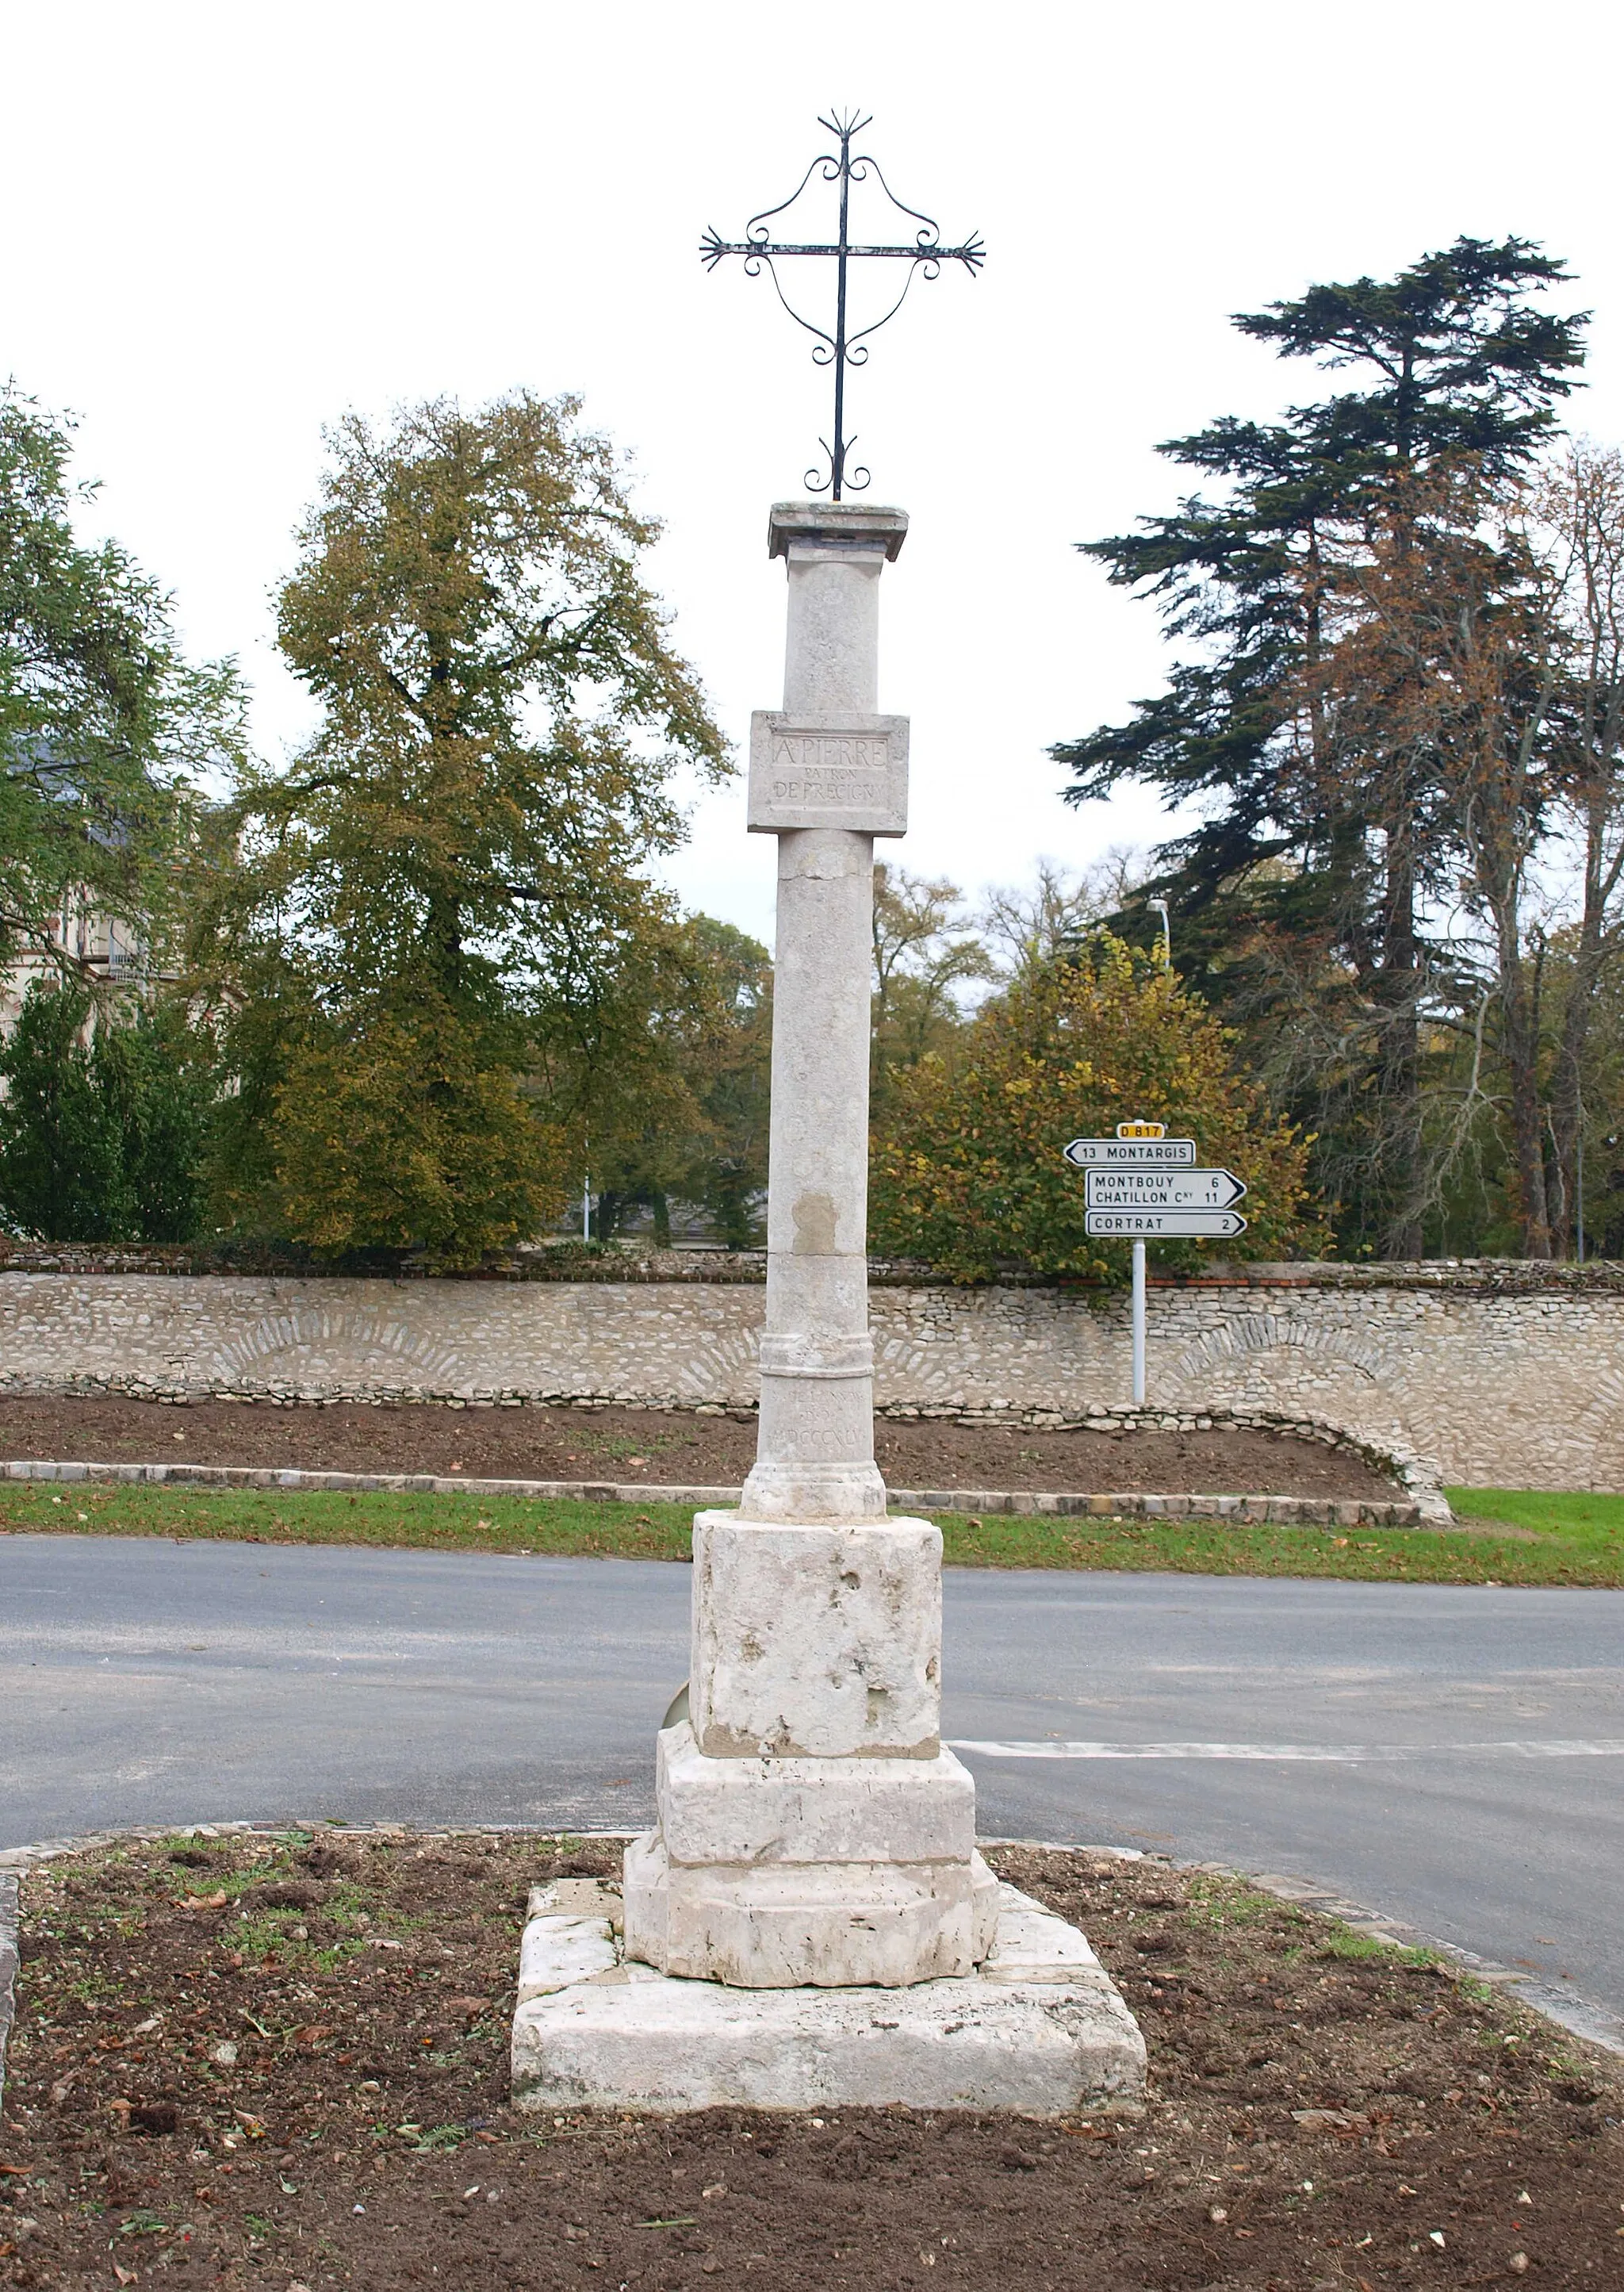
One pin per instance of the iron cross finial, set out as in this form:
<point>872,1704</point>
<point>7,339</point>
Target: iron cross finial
<point>844,347</point>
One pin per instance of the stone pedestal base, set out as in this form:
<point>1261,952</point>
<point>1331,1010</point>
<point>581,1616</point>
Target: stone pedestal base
<point>1038,2029</point>
<point>821,1642</point>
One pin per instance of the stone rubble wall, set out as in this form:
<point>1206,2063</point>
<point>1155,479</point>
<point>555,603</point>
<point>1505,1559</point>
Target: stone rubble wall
<point>1478,1376</point>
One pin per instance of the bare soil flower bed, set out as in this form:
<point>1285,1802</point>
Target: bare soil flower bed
<point>654,1446</point>
<point>281,2061</point>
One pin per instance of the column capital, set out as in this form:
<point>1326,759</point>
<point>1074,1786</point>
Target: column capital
<point>850,525</point>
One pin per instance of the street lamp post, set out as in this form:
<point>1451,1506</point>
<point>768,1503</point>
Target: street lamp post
<point>1159,908</point>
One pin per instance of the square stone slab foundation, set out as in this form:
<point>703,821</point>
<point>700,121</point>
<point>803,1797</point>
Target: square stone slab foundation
<point>1038,2029</point>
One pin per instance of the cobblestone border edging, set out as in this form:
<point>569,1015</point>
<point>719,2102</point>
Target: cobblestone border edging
<point>1600,2024</point>
<point>1585,2018</point>
<point>10,1921</point>
<point>1413,1474</point>
<point>1318,1512</point>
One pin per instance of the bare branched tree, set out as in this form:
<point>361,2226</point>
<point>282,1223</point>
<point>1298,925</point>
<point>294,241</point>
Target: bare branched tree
<point>1026,925</point>
<point>925,954</point>
<point>1578,512</point>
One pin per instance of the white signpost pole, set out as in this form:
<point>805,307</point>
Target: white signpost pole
<point>1139,1325</point>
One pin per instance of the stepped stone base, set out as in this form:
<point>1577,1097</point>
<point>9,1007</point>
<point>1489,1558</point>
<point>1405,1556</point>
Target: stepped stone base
<point>1039,2027</point>
<point>822,1924</point>
<point>790,1811</point>
<point>784,1873</point>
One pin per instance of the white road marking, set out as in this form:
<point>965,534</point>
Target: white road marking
<point>1350,1754</point>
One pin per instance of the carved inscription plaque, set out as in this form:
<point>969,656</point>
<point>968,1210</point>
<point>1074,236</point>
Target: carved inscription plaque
<point>826,771</point>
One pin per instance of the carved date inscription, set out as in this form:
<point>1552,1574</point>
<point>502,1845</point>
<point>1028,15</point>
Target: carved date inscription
<point>851,773</point>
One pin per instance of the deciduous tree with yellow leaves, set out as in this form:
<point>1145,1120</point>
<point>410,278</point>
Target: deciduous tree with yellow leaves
<point>968,1172</point>
<point>437,928</point>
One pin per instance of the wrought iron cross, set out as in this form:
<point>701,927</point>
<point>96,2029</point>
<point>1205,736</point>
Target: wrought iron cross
<point>844,347</point>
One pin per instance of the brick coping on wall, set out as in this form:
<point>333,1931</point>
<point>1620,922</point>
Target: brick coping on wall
<point>1469,1276</point>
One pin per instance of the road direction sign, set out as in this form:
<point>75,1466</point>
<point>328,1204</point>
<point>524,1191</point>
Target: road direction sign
<point>1131,1153</point>
<point>1143,1186</point>
<point>1162,1189</point>
<point>1161,1225</point>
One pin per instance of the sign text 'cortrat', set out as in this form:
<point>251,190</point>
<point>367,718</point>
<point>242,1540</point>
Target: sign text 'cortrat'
<point>1163,1225</point>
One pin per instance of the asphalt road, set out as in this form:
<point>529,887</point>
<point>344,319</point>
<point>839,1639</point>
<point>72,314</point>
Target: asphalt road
<point>1452,1757</point>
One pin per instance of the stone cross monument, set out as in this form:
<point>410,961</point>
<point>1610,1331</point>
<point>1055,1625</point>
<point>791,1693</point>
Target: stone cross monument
<point>811,1923</point>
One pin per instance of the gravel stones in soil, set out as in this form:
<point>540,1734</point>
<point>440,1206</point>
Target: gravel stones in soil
<point>281,2061</point>
<point>650,1446</point>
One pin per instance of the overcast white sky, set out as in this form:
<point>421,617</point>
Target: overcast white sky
<point>228,223</point>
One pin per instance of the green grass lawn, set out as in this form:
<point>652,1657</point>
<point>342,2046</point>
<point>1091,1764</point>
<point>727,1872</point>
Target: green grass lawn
<point>1594,1520</point>
<point>1551,1539</point>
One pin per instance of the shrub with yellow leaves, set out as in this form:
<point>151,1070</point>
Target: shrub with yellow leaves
<point>968,1173</point>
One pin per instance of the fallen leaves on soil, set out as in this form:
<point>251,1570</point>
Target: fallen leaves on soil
<point>248,2094</point>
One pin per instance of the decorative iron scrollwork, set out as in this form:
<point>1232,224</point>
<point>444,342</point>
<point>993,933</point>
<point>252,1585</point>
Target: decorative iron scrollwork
<point>841,346</point>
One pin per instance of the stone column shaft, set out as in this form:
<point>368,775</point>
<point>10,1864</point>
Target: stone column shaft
<point>815,1454</point>
<point>812,1828</point>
